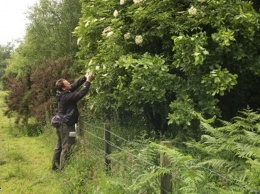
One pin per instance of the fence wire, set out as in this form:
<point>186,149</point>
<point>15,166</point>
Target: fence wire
<point>233,182</point>
<point>119,148</point>
<point>114,134</point>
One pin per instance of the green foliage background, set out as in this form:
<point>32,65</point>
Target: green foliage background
<point>168,59</point>
<point>181,69</point>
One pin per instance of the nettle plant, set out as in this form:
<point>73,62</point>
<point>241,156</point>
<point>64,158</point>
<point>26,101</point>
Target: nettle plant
<point>167,59</point>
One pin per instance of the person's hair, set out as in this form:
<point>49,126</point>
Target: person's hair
<point>59,84</point>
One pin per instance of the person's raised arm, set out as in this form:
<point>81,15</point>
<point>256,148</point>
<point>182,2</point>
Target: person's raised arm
<point>87,77</point>
<point>80,94</point>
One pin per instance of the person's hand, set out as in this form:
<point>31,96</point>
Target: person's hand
<point>89,76</point>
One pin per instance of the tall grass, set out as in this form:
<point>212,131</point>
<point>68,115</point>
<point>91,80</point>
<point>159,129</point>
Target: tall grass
<point>225,160</point>
<point>25,161</point>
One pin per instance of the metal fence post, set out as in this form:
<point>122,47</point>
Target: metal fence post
<point>107,146</point>
<point>81,130</point>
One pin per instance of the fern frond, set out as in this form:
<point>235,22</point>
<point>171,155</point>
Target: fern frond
<point>143,179</point>
<point>248,115</point>
<point>252,137</point>
<point>197,147</point>
<point>209,140</point>
<point>207,127</point>
<point>248,120</point>
<point>219,164</point>
<point>247,151</point>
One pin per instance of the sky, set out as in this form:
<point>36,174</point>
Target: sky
<point>13,19</point>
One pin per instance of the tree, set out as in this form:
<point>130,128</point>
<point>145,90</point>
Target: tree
<point>18,98</point>
<point>5,52</point>
<point>49,35</point>
<point>42,98</point>
<point>205,49</point>
<point>48,46</point>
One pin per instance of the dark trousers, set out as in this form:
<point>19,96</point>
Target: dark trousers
<point>62,149</point>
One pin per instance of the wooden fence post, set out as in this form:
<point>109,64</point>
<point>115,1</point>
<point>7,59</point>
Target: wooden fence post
<point>166,179</point>
<point>107,146</point>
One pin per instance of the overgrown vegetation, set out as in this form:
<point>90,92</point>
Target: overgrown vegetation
<point>24,161</point>
<point>184,70</point>
<point>224,160</point>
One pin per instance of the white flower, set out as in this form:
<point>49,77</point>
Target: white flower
<point>78,41</point>
<point>107,29</point>
<point>180,37</point>
<point>87,23</point>
<point>205,52</point>
<point>137,1</point>
<point>138,39</point>
<point>115,13</point>
<point>110,33</point>
<point>122,2</point>
<point>192,11</point>
<point>127,36</point>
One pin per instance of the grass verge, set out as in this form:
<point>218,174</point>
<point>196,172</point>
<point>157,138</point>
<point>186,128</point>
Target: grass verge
<point>25,161</point>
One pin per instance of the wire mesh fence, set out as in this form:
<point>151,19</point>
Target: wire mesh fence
<point>107,143</point>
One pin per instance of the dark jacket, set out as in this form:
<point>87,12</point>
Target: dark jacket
<point>67,101</point>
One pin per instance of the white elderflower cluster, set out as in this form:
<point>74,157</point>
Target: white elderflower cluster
<point>90,62</point>
<point>78,40</point>
<point>87,23</point>
<point>97,68</point>
<point>127,36</point>
<point>137,1</point>
<point>138,39</point>
<point>110,33</point>
<point>192,11</point>
<point>115,14</point>
<point>107,31</point>
<point>122,2</point>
